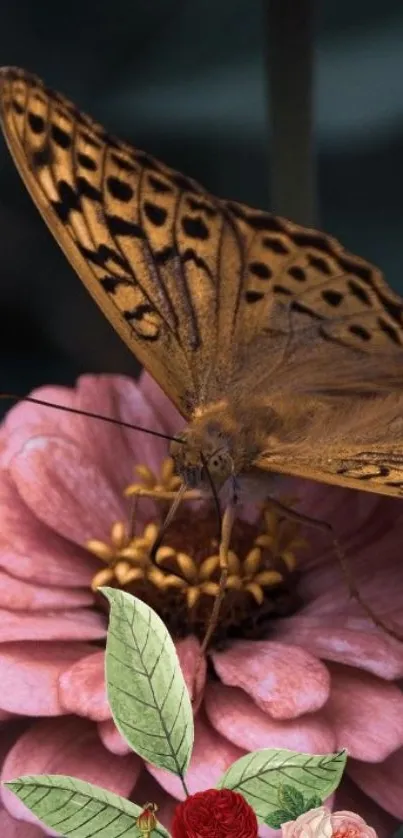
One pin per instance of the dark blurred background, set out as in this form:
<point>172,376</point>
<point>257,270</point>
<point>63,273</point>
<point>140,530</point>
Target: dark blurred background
<point>196,83</point>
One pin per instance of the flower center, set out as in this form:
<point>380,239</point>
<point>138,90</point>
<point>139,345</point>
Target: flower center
<point>183,584</point>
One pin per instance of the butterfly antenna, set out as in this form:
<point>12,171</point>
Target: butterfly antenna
<point>120,422</point>
<point>340,555</point>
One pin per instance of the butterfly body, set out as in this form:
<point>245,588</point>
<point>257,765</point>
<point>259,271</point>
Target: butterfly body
<point>283,351</point>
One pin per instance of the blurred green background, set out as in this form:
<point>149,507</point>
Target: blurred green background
<point>189,82</point>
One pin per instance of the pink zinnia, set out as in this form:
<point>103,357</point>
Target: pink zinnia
<point>318,680</point>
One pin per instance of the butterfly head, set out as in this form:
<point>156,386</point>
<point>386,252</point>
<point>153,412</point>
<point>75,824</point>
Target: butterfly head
<point>198,450</point>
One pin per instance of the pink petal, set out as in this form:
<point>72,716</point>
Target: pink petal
<point>75,624</point>
<point>349,797</point>
<point>367,714</point>
<point>30,550</point>
<point>188,651</point>
<point>25,414</point>
<point>381,781</point>
<point>72,496</point>
<point>350,641</point>
<point>29,676</point>
<point>10,828</point>
<point>164,409</point>
<point>102,442</point>
<point>211,756</point>
<point>284,681</point>
<point>18,595</point>
<point>112,739</point>
<point>82,688</point>
<point>235,716</point>
<point>136,408</point>
<point>67,746</point>
<point>10,732</point>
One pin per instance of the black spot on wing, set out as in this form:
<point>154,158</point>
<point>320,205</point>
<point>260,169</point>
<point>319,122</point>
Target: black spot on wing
<point>253,296</point>
<point>159,186</point>
<point>86,162</point>
<point>195,228</point>
<point>333,298</point>
<point>68,201</point>
<point>111,283</point>
<point>297,273</point>
<point>42,157</point>
<point>122,164</point>
<point>198,205</point>
<point>60,137</point>
<point>156,215</point>
<point>275,245</point>
<point>359,332</point>
<point>18,108</point>
<point>320,264</point>
<point>36,123</point>
<point>389,331</point>
<point>87,190</point>
<point>261,270</point>
<point>119,189</point>
<point>120,227</point>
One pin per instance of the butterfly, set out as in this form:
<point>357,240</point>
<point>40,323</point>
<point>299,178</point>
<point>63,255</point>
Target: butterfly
<point>283,351</point>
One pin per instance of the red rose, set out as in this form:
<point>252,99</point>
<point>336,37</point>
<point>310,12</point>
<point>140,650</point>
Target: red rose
<point>215,813</point>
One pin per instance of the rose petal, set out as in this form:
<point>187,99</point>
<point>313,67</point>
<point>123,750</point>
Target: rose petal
<point>381,781</point>
<point>211,756</point>
<point>29,676</point>
<point>30,550</point>
<point>349,796</point>
<point>112,739</point>
<point>236,717</point>
<point>356,699</point>
<point>76,624</point>
<point>82,688</point>
<point>72,495</point>
<point>67,746</point>
<point>353,642</point>
<point>19,595</point>
<point>285,681</point>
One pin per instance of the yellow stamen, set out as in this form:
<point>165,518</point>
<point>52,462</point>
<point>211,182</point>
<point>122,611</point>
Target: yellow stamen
<point>252,561</point>
<point>187,566</point>
<point>101,551</point>
<point>103,577</point>
<point>269,578</point>
<point>256,592</point>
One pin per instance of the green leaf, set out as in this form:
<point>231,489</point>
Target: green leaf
<point>72,807</point>
<point>278,817</point>
<point>259,775</point>
<point>291,799</point>
<point>147,693</point>
<point>313,803</point>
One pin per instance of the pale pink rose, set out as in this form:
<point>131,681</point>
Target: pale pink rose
<point>321,823</point>
<point>317,823</point>
<point>322,679</point>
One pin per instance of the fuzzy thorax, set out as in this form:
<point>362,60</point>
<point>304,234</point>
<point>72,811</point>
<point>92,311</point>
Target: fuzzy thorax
<point>224,437</point>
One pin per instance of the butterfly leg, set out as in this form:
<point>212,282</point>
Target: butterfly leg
<point>327,528</point>
<point>225,540</point>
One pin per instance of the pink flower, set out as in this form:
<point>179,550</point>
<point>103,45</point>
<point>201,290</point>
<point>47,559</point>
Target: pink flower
<point>322,679</point>
<point>321,823</point>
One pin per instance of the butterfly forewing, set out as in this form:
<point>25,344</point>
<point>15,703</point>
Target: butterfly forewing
<point>213,296</point>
